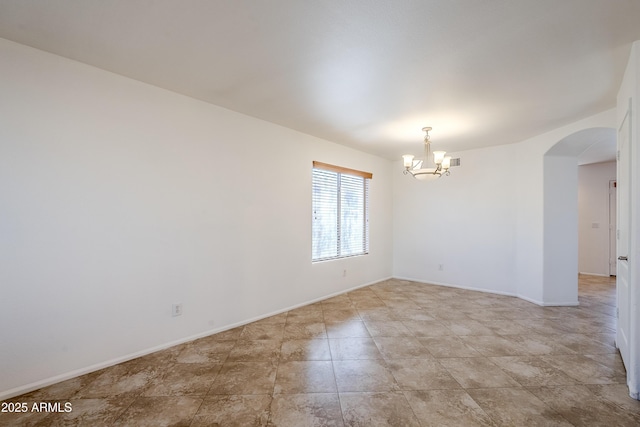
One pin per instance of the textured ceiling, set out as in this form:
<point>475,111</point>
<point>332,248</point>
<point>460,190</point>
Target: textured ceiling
<point>363,73</point>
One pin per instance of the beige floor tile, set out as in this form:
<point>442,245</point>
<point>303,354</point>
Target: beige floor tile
<point>174,411</point>
<point>401,348</point>
<point>439,312</point>
<point>62,390</point>
<point>516,407</point>
<point>513,313</point>
<point>387,328</point>
<point>477,372</point>
<point>403,305</point>
<point>303,315</point>
<point>309,410</point>
<point>588,327</point>
<point>448,346</point>
<point>255,351</point>
<point>335,304</point>
<point>485,315</point>
<point>493,345</point>
<point>183,379</point>
<point>427,328</point>
<point>584,344</point>
<point>346,329</point>
<point>377,409</point>
<point>447,408</point>
<point>419,314</point>
<point>542,326</point>
<point>606,338</point>
<point>233,411</point>
<point>584,369</point>
<point>305,349</point>
<point>296,331</point>
<point>467,327</point>
<point>311,376</point>
<point>245,378</point>
<point>504,327</point>
<point>25,416</point>
<point>363,376</point>
<point>341,315</point>
<point>205,352</point>
<point>93,412</point>
<point>119,380</point>
<point>377,313</point>
<point>610,360</point>
<point>531,371</point>
<point>159,360</point>
<point>581,407</point>
<point>263,331</point>
<point>421,374</point>
<point>354,348</point>
<point>536,344</point>
<point>617,394</point>
<point>369,303</point>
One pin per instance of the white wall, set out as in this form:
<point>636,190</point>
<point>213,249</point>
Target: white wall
<point>560,234</point>
<point>593,208</point>
<point>528,247</point>
<point>486,222</point>
<point>119,199</point>
<point>465,221</point>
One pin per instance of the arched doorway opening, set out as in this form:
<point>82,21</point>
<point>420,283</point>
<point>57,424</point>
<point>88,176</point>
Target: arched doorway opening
<point>560,215</point>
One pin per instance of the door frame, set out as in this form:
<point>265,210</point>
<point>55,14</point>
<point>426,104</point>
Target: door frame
<point>613,227</point>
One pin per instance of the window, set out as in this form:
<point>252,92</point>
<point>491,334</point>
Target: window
<point>340,212</point>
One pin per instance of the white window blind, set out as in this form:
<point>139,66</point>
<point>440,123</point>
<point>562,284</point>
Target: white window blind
<point>340,212</point>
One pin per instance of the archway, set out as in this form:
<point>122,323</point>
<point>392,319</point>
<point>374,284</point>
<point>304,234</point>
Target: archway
<point>560,215</point>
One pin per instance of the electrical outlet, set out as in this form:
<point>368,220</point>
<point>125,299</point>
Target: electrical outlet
<point>344,273</point>
<point>176,309</point>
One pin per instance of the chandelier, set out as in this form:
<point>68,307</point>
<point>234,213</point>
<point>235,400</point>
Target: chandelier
<point>427,168</point>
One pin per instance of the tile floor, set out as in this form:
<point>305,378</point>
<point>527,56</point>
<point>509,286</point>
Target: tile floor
<point>392,354</point>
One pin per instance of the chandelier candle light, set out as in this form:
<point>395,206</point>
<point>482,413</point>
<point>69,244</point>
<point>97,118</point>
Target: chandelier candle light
<point>421,169</point>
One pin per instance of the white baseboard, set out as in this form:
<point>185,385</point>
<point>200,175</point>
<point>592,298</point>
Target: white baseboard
<point>549,304</point>
<point>449,285</point>
<point>594,274</point>
<point>490,291</point>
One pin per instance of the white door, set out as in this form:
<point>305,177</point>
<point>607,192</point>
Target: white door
<point>613,200</point>
<point>623,276</point>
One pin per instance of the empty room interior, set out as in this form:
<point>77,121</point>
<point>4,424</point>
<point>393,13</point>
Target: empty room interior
<point>290,213</point>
